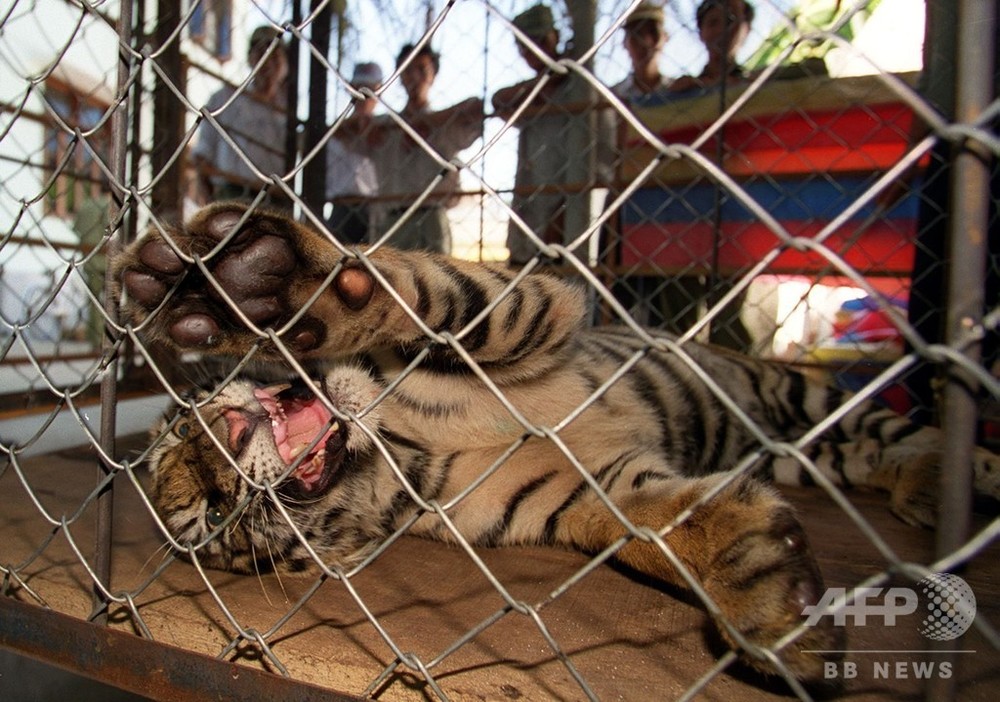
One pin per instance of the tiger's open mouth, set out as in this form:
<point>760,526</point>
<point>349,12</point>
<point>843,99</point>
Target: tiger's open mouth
<point>305,433</point>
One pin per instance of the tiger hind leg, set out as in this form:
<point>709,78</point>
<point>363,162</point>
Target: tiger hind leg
<point>743,547</point>
<point>909,470</point>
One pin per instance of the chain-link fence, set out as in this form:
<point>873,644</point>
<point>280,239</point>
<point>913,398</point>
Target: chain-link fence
<point>804,185</point>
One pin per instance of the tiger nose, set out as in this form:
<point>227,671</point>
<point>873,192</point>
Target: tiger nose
<point>240,426</point>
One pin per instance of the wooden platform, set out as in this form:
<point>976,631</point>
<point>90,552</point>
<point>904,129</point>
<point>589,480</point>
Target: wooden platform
<point>628,640</point>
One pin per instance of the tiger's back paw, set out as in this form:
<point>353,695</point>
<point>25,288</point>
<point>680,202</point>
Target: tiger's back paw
<point>912,476</point>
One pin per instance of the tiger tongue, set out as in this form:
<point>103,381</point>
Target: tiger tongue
<point>295,421</point>
<point>304,421</point>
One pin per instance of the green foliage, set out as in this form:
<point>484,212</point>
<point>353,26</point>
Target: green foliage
<point>810,17</point>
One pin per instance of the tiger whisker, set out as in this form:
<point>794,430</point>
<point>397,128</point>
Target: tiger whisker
<point>164,551</point>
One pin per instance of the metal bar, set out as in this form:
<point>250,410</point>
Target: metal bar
<point>579,133</point>
<point>968,251</point>
<point>314,174</point>
<point>712,292</point>
<point>168,115</point>
<point>128,662</point>
<point>292,94</point>
<point>109,383</point>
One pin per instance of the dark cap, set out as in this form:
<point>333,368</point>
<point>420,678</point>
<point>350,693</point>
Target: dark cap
<point>367,74</point>
<point>536,21</point>
<point>262,36</point>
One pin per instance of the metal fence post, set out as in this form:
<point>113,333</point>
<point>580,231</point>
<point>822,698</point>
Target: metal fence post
<point>109,382</point>
<point>968,251</point>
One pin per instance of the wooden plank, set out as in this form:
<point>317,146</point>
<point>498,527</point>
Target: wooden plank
<point>628,639</point>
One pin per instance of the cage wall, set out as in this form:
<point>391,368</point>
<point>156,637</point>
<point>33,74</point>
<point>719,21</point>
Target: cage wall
<point>828,204</point>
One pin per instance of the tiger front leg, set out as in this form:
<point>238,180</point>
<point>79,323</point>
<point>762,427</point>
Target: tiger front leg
<point>260,265</point>
<point>279,274</point>
<point>744,547</point>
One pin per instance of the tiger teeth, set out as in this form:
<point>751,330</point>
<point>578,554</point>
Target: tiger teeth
<point>299,450</point>
<point>314,466</point>
<point>273,390</point>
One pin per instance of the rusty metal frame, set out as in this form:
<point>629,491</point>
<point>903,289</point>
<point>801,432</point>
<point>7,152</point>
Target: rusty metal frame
<point>152,669</point>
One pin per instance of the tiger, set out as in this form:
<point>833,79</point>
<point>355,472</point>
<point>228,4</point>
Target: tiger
<point>453,399</point>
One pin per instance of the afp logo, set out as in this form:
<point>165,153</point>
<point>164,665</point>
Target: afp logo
<point>946,604</point>
<point>949,606</point>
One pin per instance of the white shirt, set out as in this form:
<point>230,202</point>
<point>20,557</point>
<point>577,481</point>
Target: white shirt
<point>628,91</point>
<point>405,169</point>
<point>348,173</point>
<point>258,129</point>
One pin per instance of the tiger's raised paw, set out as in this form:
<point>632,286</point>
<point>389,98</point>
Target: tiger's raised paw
<point>262,268</point>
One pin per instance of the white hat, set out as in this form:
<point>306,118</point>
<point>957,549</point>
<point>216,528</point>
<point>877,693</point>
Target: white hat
<point>367,74</point>
<point>646,10</point>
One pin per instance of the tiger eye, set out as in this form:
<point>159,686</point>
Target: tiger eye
<point>214,516</point>
<point>182,428</point>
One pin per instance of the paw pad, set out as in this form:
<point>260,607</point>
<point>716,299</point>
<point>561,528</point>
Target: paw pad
<point>222,223</point>
<point>146,289</point>
<point>194,330</point>
<point>355,287</point>
<point>158,255</point>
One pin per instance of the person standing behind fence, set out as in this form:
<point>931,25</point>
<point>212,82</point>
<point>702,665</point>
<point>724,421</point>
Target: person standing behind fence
<point>254,120</point>
<point>723,27</point>
<point>405,168</point>
<point>652,300</point>
<point>545,187</point>
<point>645,37</point>
<point>351,180</point>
